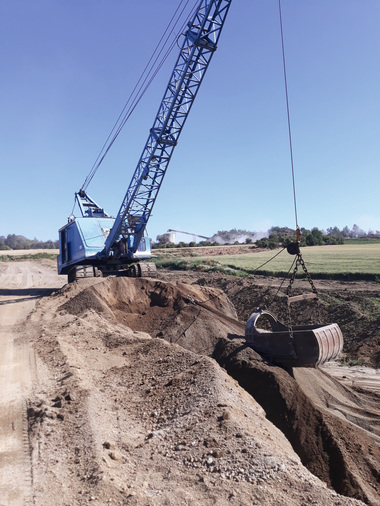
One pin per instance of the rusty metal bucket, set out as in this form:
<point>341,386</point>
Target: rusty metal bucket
<point>311,345</point>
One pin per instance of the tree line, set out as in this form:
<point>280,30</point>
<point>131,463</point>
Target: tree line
<point>282,236</point>
<point>276,237</point>
<point>13,241</point>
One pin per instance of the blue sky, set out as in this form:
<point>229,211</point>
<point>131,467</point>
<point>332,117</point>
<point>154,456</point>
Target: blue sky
<point>68,67</point>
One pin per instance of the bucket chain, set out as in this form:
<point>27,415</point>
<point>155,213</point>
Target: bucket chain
<point>300,261</point>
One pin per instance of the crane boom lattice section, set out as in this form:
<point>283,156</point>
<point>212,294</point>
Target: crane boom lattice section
<point>200,43</point>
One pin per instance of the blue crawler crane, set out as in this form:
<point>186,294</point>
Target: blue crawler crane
<point>98,244</point>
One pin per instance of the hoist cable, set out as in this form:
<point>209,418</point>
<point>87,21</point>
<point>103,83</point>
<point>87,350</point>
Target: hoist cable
<point>149,73</point>
<point>288,115</point>
<point>121,122</point>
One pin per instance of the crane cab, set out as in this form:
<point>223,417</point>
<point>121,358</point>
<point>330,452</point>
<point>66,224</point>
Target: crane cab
<point>82,241</point>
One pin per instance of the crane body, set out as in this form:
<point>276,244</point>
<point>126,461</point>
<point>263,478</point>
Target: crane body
<point>99,241</point>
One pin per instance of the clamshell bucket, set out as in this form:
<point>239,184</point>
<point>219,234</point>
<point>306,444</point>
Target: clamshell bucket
<point>303,346</point>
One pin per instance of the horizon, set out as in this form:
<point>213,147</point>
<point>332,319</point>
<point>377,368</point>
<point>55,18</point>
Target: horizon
<point>363,233</point>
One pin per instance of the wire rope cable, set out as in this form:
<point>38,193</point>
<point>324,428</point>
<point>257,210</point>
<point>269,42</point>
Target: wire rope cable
<point>162,50</point>
<point>285,278</point>
<point>267,262</point>
<point>288,114</point>
<point>289,133</point>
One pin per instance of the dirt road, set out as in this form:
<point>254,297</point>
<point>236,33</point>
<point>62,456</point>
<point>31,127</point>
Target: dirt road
<point>20,285</point>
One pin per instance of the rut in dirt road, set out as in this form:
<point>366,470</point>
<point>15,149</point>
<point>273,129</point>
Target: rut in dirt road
<point>18,292</point>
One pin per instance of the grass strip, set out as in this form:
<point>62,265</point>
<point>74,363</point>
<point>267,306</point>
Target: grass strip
<point>28,256</point>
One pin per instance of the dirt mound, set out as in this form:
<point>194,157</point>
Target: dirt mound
<point>190,315</point>
<point>122,416</point>
<point>368,350</point>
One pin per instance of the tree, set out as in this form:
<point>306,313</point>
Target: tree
<point>335,232</point>
<point>315,238</point>
<point>317,234</point>
<point>304,234</point>
<point>273,241</point>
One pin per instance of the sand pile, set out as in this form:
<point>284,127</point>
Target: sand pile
<point>130,408</point>
<point>190,315</point>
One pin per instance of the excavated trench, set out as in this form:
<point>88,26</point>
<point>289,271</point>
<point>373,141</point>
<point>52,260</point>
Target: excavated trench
<point>325,443</point>
<point>343,454</point>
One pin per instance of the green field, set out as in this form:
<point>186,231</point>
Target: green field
<point>351,261</point>
<point>348,261</point>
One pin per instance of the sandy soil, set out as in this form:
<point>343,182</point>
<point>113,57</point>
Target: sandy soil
<point>21,284</point>
<point>138,391</point>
